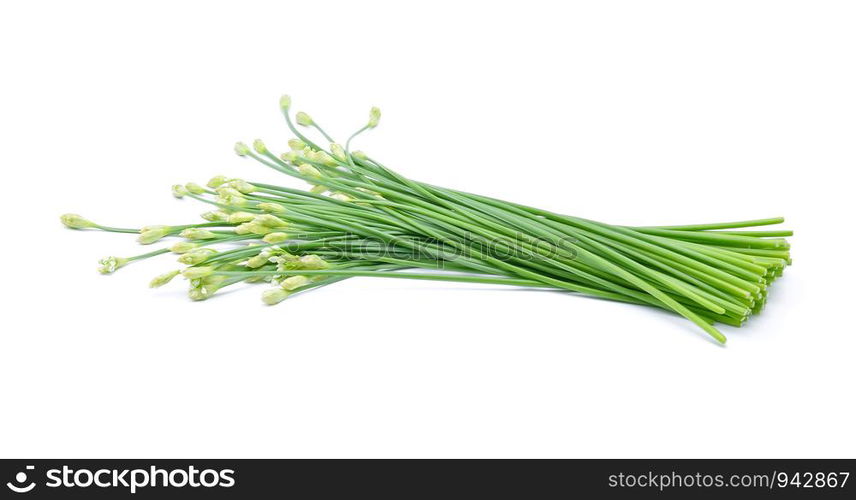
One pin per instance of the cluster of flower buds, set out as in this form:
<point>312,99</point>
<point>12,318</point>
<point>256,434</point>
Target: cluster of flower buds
<point>243,214</point>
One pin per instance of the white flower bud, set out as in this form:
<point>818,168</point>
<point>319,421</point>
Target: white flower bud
<point>309,171</point>
<point>194,188</point>
<point>274,296</point>
<point>179,191</point>
<point>374,117</point>
<point>338,152</point>
<point>296,144</point>
<point>269,220</point>
<point>320,157</point>
<point>274,208</point>
<point>197,272</point>
<point>202,292</point>
<point>183,247</point>
<point>318,189</point>
<point>259,146</point>
<point>75,221</point>
<point>242,186</point>
<point>151,234</point>
<point>285,102</point>
<point>312,262</point>
<point>109,265</point>
<point>230,196</point>
<point>197,256</point>
<point>253,228</point>
<point>239,217</point>
<point>232,201</point>
<point>228,190</point>
<point>215,216</point>
<point>217,181</point>
<point>257,261</point>
<point>241,149</point>
<point>326,159</point>
<point>163,279</point>
<point>275,237</point>
<point>290,157</point>
<point>293,282</point>
<point>304,119</point>
<point>195,233</point>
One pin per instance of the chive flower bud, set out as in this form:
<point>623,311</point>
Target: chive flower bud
<point>259,146</point>
<point>338,152</point>
<point>304,119</point>
<point>109,265</point>
<point>285,102</point>
<point>374,117</point>
<point>215,216</point>
<point>274,296</point>
<point>253,228</point>
<point>290,157</point>
<point>275,237</point>
<point>318,189</point>
<point>269,220</point>
<point>239,217</point>
<point>271,207</point>
<point>151,234</point>
<point>75,221</point>
<point>230,196</point>
<point>202,291</point>
<point>359,155</point>
<point>309,171</point>
<point>163,279</point>
<point>179,191</point>
<point>257,261</point>
<point>217,181</point>
<point>241,149</point>
<point>183,247</point>
<point>241,186</point>
<point>293,282</point>
<point>296,144</point>
<point>197,256</point>
<point>312,262</point>
<point>232,201</point>
<point>195,233</point>
<point>322,157</point>
<point>197,272</point>
<point>228,190</point>
<point>194,188</point>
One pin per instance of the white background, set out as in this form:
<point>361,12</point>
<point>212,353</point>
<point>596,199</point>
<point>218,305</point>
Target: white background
<point>626,112</point>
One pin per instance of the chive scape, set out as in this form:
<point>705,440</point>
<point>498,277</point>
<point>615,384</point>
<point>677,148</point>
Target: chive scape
<point>359,218</point>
